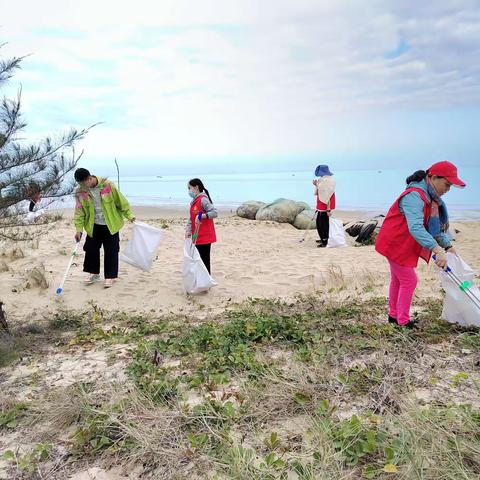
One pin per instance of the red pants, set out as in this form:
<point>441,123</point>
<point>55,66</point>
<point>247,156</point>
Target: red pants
<point>403,281</point>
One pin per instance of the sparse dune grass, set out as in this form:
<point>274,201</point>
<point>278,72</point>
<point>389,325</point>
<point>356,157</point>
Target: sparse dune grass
<point>300,389</point>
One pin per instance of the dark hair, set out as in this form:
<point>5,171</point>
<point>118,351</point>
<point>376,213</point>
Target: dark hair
<point>417,176</point>
<point>196,182</point>
<point>33,188</point>
<point>81,174</point>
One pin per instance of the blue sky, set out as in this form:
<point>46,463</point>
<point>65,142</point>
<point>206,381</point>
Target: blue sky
<point>249,85</point>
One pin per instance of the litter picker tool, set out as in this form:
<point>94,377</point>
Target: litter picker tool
<point>308,229</point>
<point>463,285</point>
<point>72,256</point>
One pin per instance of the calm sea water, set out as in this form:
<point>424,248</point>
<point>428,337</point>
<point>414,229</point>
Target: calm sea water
<point>367,190</point>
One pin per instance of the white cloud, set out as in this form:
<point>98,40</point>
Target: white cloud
<point>278,77</point>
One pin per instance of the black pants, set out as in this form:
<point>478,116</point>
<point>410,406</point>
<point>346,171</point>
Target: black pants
<point>204,251</point>
<point>323,226</point>
<point>111,247</point>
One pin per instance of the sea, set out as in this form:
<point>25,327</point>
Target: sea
<point>358,190</point>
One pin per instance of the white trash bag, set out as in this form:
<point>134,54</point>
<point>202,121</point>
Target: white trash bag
<point>459,306</point>
<point>196,278</point>
<point>141,249</point>
<point>336,235</point>
<point>31,217</point>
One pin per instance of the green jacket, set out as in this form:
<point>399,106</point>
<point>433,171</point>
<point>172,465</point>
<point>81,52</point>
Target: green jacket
<point>115,208</point>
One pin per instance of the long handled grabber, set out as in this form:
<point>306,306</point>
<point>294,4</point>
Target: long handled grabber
<point>195,234</point>
<point>308,229</point>
<point>463,285</point>
<point>72,256</point>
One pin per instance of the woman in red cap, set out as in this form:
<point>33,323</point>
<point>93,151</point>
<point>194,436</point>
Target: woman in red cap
<point>415,227</point>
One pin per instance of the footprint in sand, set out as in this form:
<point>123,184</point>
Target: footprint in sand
<point>128,295</point>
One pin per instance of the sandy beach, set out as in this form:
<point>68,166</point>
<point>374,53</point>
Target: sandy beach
<point>251,259</point>
<point>74,360</point>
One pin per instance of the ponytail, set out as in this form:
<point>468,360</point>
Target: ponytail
<point>208,195</point>
<point>417,176</point>
<point>196,182</point>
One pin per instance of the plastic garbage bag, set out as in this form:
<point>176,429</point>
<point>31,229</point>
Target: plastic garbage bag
<point>336,235</point>
<point>196,278</point>
<point>142,247</point>
<point>31,217</point>
<point>460,306</point>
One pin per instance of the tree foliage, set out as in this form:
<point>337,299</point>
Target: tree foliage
<point>29,170</point>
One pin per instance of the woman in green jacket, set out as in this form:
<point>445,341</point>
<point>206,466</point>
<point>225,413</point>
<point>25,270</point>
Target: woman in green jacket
<point>99,210</point>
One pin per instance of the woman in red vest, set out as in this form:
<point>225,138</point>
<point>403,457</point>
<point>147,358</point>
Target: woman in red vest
<point>202,213</point>
<point>415,227</point>
<point>325,195</point>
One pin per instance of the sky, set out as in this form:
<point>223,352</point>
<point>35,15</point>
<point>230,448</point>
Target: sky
<point>230,85</point>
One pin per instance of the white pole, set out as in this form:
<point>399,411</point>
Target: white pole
<point>74,254</point>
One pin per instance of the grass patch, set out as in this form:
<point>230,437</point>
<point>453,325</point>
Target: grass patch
<point>11,414</point>
<point>269,390</point>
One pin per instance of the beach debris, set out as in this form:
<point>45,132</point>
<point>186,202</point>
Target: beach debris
<point>36,277</point>
<point>364,232</point>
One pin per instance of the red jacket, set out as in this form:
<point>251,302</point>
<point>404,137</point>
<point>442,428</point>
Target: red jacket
<point>206,232</point>
<point>395,241</point>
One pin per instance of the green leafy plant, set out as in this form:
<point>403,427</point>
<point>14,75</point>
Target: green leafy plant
<point>30,461</point>
<point>272,442</point>
<point>9,417</point>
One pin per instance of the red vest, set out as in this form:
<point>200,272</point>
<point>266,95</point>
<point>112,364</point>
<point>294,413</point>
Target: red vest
<point>395,241</point>
<point>206,232</point>
<point>323,206</point>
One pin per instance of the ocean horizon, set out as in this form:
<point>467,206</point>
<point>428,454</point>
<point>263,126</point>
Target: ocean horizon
<point>360,190</point>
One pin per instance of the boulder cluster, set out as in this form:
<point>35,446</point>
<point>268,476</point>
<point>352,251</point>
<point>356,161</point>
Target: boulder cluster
<point>282,210</point>
<point>302,217</point>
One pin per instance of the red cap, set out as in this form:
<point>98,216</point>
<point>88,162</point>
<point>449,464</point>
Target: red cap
<point>446,170</point>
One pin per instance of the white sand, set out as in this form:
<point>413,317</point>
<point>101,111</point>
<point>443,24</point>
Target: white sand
<point>251,259</point>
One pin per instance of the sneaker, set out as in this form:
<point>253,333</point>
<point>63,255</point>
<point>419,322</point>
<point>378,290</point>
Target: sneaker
<point>392,320</point>
<point>410,325</point>
<point>322,245</point>
<point>91,278</point>
<point>108,282</point>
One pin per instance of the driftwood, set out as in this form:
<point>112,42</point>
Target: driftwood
<point>3,320</point>
<point>364,231</point>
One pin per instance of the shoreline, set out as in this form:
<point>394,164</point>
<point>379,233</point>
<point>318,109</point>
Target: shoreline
<point>149,212</point>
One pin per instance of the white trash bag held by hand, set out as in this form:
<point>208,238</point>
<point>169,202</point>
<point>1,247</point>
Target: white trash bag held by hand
<point>462,296</point>
<point>336,234</point>
<point>140,251</point>
<point>196,278</point>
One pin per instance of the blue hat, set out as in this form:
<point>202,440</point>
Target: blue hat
<point>322,171</point>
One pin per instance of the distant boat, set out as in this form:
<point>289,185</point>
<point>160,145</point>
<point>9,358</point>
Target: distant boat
<point>379,171</point>
<point>159,176</point>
